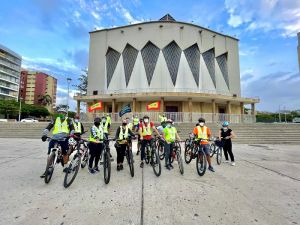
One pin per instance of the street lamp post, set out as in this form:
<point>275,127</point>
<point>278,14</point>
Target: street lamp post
<point>279,115</point>
<point>20,108</point>
<point>69,81</point>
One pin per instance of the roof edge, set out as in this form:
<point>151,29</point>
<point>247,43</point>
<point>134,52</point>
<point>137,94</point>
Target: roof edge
<point>150,22</point>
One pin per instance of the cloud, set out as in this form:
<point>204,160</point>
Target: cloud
<point>280,88</point>
<point>265,15</point>
<point>126,14</point>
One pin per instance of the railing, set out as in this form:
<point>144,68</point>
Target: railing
<point>179,117</point>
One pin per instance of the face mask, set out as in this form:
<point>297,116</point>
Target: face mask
<point>168,125</point>
<point>103,121</point>
<point>97,123</point>
<point>76,120</point>
<point>201,124</point>
<point>146,120</point>
<point>225,128</point>
<point>124,124</point>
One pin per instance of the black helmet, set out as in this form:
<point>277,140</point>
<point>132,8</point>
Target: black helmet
<point>97,120</point>
<point>201,120</point>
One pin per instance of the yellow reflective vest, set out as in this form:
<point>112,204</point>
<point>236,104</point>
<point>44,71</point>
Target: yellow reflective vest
<point>61,127</point>
<point>77,128</point>
<point>170,134</point>
<point>146,129</point>
<point>105,127</point>
<point>99,134</point>
<point>202,135</point>
<point>136,121</point>
<point>123,135</point>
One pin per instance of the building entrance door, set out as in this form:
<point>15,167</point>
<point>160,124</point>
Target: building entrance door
<point>171,108</point>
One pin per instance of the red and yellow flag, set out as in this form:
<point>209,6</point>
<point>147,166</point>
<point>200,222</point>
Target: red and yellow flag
<point>96,106</point>
<point>153,106</point>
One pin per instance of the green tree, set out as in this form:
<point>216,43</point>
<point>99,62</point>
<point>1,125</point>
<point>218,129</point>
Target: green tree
<point>83,82</point>
<point>44,100</point>
<point>9,108</point>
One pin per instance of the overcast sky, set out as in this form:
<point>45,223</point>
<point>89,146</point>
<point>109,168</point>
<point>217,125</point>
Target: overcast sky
<point>52,36</point>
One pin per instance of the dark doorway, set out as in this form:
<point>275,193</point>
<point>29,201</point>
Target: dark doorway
<point>222,110</point>
<point>110,109</point>
<point>171,108</point>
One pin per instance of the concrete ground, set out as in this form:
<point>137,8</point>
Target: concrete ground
<point>263,188</point>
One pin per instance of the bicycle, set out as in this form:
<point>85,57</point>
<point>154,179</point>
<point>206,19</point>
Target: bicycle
<point>75,163</point>
<point>54,158</point>
<point>106,161</point>
<point>160,145</point>
<point>216,148</point>
<point>176,155</point>
<point>85,154</point>
<point>152,157</point>
<point>196,151</point>
<point>129,156</point>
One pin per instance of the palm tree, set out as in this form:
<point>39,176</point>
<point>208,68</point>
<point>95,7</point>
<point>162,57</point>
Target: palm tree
<point>45,100</point>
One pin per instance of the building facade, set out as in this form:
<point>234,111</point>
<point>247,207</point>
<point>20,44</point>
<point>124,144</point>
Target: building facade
<point>187,68</point>
<point>35,85</point>
<point>10,66</point>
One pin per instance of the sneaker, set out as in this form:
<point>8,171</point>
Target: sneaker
<point>226,161</point>
<point>121,167</point>
<point>142,165</point>
<point>171,166</point>
<point>168,167</point>
<point>118,168</point>
<point>91,171</point>
<point>43,175</point>
<point>211,169</point>
<point>65,169</point>
<point>96,168</point>
<point>233,163</point>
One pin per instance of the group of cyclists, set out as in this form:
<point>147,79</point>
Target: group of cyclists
<point>142,128</point>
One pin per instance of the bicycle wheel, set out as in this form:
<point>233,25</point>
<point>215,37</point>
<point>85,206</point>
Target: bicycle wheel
<point>50,167</point>
<point>180,163</point>
<point>147,151</point>
<point>161,151</point>
<point>212,149</point>
<point>106,167</point>
<point>85,159</point>
<point>219,155</point>
<point>188,154</point>
<point>201,163</point>
<point>155,163</point>
<point>72,170</point>
<point>129,157</point>
<point>187,142</point>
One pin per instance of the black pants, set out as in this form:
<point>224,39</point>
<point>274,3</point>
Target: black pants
<point>143,146</point>
<point>95,152</point>
<point>168,151</point>
<point>121,153</point>
<point>228,150</point>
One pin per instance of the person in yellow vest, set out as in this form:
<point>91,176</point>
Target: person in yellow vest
<point>170,135</point>
<point>108,119</point>
<point>96,145</point>
<point>122,134</point>
<point>203,132</point>
<point>105,126</point>
<point>129,124</point>
<point>136,123</point>
<point>78,127</point>
<point>162,118</point>
<point>62,127</point>
<point>146,129</point>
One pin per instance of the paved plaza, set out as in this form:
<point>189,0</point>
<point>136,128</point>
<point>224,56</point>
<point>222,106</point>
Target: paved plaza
<point>263,188</point>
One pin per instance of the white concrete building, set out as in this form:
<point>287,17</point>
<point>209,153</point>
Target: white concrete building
<point>186,67</point>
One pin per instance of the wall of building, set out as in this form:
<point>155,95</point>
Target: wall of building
<point>185,36</point>
<point>10,64</point>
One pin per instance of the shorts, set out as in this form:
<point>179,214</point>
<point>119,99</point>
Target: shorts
<point>206,148</point>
